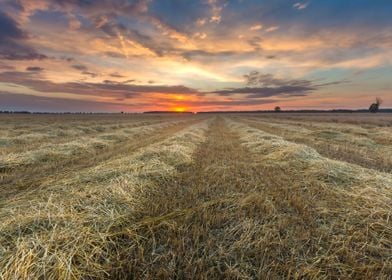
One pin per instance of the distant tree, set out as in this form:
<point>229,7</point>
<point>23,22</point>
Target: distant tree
<point>375,106</point>
<point>277,109</point>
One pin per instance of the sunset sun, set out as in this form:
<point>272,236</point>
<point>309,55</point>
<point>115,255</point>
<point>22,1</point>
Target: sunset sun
<point>179,109</point>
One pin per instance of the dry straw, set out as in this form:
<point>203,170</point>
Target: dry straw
<point>65,229</point>
<point>347,208</point>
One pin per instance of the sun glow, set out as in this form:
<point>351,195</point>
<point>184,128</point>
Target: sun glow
<point>179,109</point>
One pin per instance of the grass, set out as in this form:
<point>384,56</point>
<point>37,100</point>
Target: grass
<point>207,198</point>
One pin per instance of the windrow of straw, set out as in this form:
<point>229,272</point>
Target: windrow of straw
<point>20,134</point>
<point>79,227</point>
<point>360,118</point>
<point>380,135</point>
<point>346,210</point>
<point>87,144</point>
<point>370,148</point>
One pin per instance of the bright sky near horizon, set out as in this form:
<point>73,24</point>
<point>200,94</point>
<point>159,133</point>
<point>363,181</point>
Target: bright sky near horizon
<point>196,55</point>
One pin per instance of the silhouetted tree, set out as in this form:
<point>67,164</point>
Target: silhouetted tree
<point>375,106</point>
<point>277,109</point>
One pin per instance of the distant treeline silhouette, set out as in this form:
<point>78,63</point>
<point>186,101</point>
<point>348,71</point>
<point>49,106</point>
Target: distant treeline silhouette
<point>90,113</point>
<point>15,112</point>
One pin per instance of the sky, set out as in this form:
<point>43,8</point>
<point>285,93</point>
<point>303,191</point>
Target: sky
<point>194,55</point>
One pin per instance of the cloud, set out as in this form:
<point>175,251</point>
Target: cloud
<point>216,10</point>
<point>118,83</point>
<point>115,40</point>
<point>108,17</point>
<point>34,69</point>
<point>264,92</point>
<point>13,44</point>
<point>4,66</point>
<point>256,27</point>
<point>116,75</point>
<point>88,6</point>
<point>115,55</point>
<point>106,89</point>
<point>255,42</point>
<point>74,23</point>
<point>272,28</point>
<point>84,70</point>
<point>13,51</point>
<point>200,35</point>
<point>300,5</point>
<point>230,102</point>
<point>256,78</point>
<point>112,27</point>
<point>167,30</point>
<point>201,21</point>
<point>26,102</point>
<point>79,67</point>
<point>261,85</point>
<point>9,28</point>
<point>206,56</point>
<point>91,74</point>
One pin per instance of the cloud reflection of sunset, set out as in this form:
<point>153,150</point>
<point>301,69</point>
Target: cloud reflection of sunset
<point>140,55</point>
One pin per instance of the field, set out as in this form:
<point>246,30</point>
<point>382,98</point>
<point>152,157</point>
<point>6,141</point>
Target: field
<point>205,196</point>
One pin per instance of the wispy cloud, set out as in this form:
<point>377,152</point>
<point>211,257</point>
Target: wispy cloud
<point>272,28</point>
<point>256,27</point>
<point>260,85</point>
<point>106,88</point>
<point>200,35</point>
<point>34,69</point>
<point>300,5</point>
<point>216,9</point>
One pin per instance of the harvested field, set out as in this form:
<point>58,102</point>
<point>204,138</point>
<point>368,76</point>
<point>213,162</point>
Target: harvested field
<point>367,145</point>
<point>195,197</point>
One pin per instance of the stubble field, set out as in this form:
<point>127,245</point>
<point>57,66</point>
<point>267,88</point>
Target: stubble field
<point>231,196</point>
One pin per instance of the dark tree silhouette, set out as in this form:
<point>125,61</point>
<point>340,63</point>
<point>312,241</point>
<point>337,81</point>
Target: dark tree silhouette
<point>277,109</point>
<point>375,106</point>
